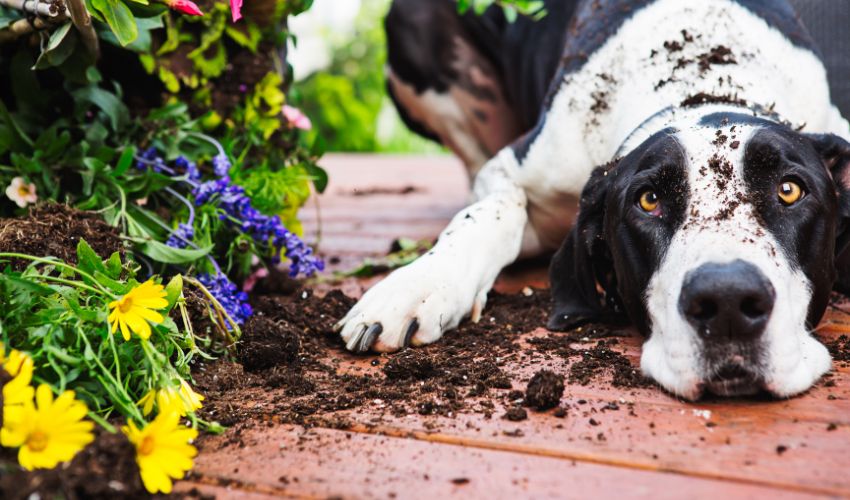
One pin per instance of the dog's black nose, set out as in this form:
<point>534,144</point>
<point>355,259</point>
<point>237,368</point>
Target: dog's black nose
<point>727,302</point>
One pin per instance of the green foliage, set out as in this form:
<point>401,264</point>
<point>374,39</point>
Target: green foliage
<point>57,313</point>
<point>406,252</point>
<point>261,112</point>
<point>347,101</point>
<point>86,156</point>
<point>532,8</point>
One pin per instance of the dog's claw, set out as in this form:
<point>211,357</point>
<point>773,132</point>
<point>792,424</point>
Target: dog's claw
<point>362,341</point>
<point>412,327</point>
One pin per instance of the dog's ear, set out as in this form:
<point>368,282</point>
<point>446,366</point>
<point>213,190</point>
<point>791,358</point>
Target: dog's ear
<point>582,272</point>
<point>835,153</point>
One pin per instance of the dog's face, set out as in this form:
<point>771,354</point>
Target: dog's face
<point>718,238</point>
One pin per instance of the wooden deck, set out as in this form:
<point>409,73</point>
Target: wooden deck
<point>647,444</point>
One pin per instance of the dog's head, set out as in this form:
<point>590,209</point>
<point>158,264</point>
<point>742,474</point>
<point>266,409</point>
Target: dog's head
<point>719,240</point>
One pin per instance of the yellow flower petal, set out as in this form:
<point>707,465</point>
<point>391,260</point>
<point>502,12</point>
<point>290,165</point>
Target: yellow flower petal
<point>49,432</point>
<point>163,450</point>
<point>135,311</point>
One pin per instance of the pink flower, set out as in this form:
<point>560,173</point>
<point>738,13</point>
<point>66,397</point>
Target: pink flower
<point>236,9</point>
<point>184,6</point>
<point>296,118</point>
<point>21,193</point>
<point>252,279</point>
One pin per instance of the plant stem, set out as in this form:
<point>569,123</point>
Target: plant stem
<point>58,263</point>
<point>129,404</point>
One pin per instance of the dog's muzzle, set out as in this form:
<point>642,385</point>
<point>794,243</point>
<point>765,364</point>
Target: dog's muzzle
<point>729,306</point>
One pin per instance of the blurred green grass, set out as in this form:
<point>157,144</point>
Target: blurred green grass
<point>348,103</point>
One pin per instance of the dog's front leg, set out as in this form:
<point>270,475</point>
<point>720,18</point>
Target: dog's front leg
<point>416,304</point>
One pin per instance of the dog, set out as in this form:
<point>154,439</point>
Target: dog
<point>698,140</point>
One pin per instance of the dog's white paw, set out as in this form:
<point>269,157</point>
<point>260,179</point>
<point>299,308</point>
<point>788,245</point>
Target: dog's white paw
<point>414,305</point>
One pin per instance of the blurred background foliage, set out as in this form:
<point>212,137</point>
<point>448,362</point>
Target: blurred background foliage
<point>346,99</point>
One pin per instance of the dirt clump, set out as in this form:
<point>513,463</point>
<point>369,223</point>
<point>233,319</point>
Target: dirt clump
<point>544,390</point>
<point>54,230</point>
<point>516,414</point>
<point>266,343</point>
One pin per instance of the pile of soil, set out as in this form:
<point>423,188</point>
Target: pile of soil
<point>55,230</point>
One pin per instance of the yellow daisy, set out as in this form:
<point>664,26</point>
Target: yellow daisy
<point>17,391</point>
<point>49,432</point>
<point>182,401</point>
<point>133,311</point>
<point>15,361</point>
<point>147,401</point>
<point>191,399</point>
<point>163,450</point>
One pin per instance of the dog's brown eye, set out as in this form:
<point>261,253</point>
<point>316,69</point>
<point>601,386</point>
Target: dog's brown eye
<point>648,201</point>
<point>789,192</point>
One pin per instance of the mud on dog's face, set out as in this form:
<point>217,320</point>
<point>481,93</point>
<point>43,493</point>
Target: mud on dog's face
<point>718,239</point>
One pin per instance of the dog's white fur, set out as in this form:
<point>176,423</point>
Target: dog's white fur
<point>523,207</point>
<point>791,359</point>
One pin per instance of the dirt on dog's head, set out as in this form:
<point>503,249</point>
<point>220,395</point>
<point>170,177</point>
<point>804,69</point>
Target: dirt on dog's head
<point>720,238</point>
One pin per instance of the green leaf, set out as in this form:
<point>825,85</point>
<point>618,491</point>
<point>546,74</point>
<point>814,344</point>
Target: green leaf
<point>161,252</point>
<point>480,6</point>
<point>318,175</point>
<point>113,266</point>
<point>173,290</point>
<point>114,285</point>
<point>249,38</point>
<point>108,102</point>
<point>7,118</point>
<point>124,161</point>
<point>87,260</point>
<point>119,18</point>
<point>59,46</point>
<point>169,79</point>
<point>210,66</point>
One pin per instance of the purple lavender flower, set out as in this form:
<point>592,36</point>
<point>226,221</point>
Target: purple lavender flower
<point>206,190</point>
<point>221,165</point>
<point>264,229</point>
<point>234,301</point>
<point>149,159</point>
<point>181,237</point>
<point>191,169</point>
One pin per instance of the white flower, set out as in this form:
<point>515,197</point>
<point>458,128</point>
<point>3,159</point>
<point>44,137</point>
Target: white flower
<point>21,193</point>
<point>296,118</point>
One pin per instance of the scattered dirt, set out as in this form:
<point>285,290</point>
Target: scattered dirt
<point>55,230</point>
<point>602,358</point>
<point>544,390</point>
<point>840,349</point>
<point>469,371</point>
<point>105,469</point>
<point>375,191</point>
<point>717,55</point>
<point>705,98</point>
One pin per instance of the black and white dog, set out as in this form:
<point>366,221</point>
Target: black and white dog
<point>718,223</point>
